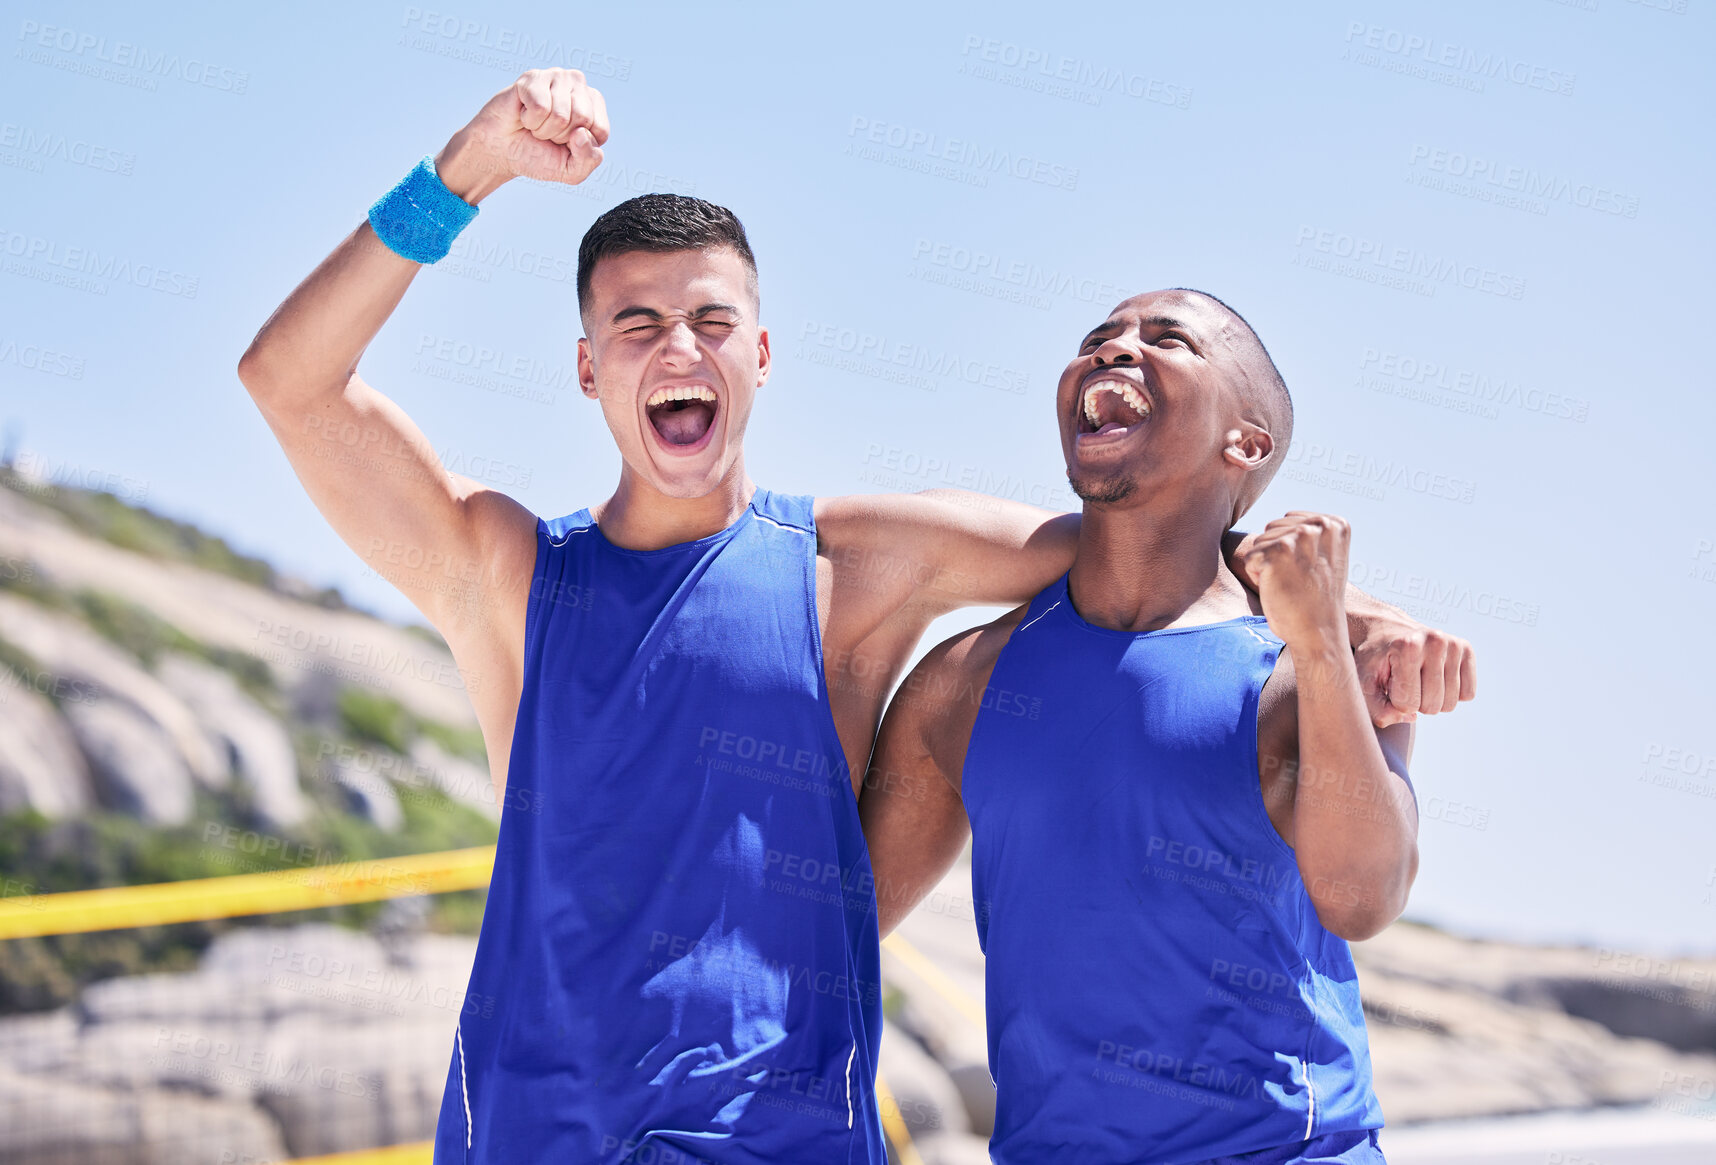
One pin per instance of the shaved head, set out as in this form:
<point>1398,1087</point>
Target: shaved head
<point>1263,389</point>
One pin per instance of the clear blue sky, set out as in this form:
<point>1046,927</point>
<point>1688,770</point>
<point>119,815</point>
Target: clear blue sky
<point>1475,237</point>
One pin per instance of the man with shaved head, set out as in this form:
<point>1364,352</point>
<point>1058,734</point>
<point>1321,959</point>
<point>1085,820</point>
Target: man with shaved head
<point>1179,807</point>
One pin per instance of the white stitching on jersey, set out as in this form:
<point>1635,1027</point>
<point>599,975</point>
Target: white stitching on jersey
<point>853,1055</point>
<point>782,525</point>
<point>568,537</point>
<point>1311,1110</point>
<point>464,1091</point>
<point>1051,607</point>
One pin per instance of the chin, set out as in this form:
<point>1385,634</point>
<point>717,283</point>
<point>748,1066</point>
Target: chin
<point>1102,490</point>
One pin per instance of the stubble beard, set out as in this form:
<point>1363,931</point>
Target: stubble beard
<point>1105,491</point>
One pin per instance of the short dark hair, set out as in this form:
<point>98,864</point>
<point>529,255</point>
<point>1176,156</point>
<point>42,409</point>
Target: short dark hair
<point>661,222</point>
<point>1275,401</point>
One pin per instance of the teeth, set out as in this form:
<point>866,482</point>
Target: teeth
<point>662,396</point>
<point>1126,393</point>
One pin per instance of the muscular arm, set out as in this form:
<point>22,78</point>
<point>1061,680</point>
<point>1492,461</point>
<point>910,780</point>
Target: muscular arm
<point>1337,791</point>
<point>901,560</point>
<point>949,548</point>
<point>1348,811</point>
<point>914,821</point>
<point>461,552</point>
<point>366,465</point>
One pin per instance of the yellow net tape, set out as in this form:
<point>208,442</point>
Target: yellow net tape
<point>304,888</point>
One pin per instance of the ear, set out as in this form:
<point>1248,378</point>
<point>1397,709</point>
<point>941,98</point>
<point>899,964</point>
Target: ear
<point>764,360</point>
<point>1247,445</point>
<point>586,368</point>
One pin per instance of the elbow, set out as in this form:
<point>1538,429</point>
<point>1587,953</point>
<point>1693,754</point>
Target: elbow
<point>1356,925</point>
<point>260,369</point>
<point>252,370</point>
<point>1354,910</point>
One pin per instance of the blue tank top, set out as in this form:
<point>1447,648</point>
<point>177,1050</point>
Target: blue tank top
<point>678,958</point>
<point>1159,987</point>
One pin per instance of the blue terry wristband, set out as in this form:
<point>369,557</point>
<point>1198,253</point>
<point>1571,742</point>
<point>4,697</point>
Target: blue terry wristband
<point>419,218</point>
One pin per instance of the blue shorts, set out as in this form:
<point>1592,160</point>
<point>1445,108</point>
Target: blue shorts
<point>1351,1148</point>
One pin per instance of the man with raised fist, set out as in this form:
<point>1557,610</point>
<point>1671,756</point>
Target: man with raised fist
<point>678,686</point>
<point>1171,848</point>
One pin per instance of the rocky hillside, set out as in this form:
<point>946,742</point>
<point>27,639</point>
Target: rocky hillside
<point>172,709</point>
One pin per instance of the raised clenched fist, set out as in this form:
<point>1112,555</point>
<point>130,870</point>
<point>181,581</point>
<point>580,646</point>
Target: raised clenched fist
<point>549,125</point>
<point>1299,563</point>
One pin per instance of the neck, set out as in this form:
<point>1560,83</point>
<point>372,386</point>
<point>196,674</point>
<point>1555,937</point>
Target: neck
<point>1141,569</point>
<point>640,517</point>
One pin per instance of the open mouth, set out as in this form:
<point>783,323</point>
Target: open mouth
<point>1112,405</point>
<point>682,415</point>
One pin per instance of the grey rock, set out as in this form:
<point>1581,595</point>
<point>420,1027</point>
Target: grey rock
<point>1464,1028</point>
<point>55,1122</point>
<point>368,793</point>
<point>35,1042</point>
<point>194,1054</point>
<point>40,766</point>
<point>168,999</point>
<point>977,1091</point>
<point>334,1086</point>
<point>248,975</point>
<point>75,655</point>
<point>135,766</point>
<point>926,1098</point>
<point>259,749</point>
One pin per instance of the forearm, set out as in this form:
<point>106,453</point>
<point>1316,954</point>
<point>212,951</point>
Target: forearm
<point>1363,609</point>
<point>311,344</point>
<point>991,551</point>
<point>1354,820</point>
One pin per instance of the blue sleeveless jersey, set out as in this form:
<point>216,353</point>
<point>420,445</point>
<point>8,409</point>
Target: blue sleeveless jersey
<point>1159,987</point>
<point>678,959</point>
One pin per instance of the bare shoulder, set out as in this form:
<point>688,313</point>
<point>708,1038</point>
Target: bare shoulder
<point>941,697</point>
<point>506,530</point>
<point>485,599</point>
